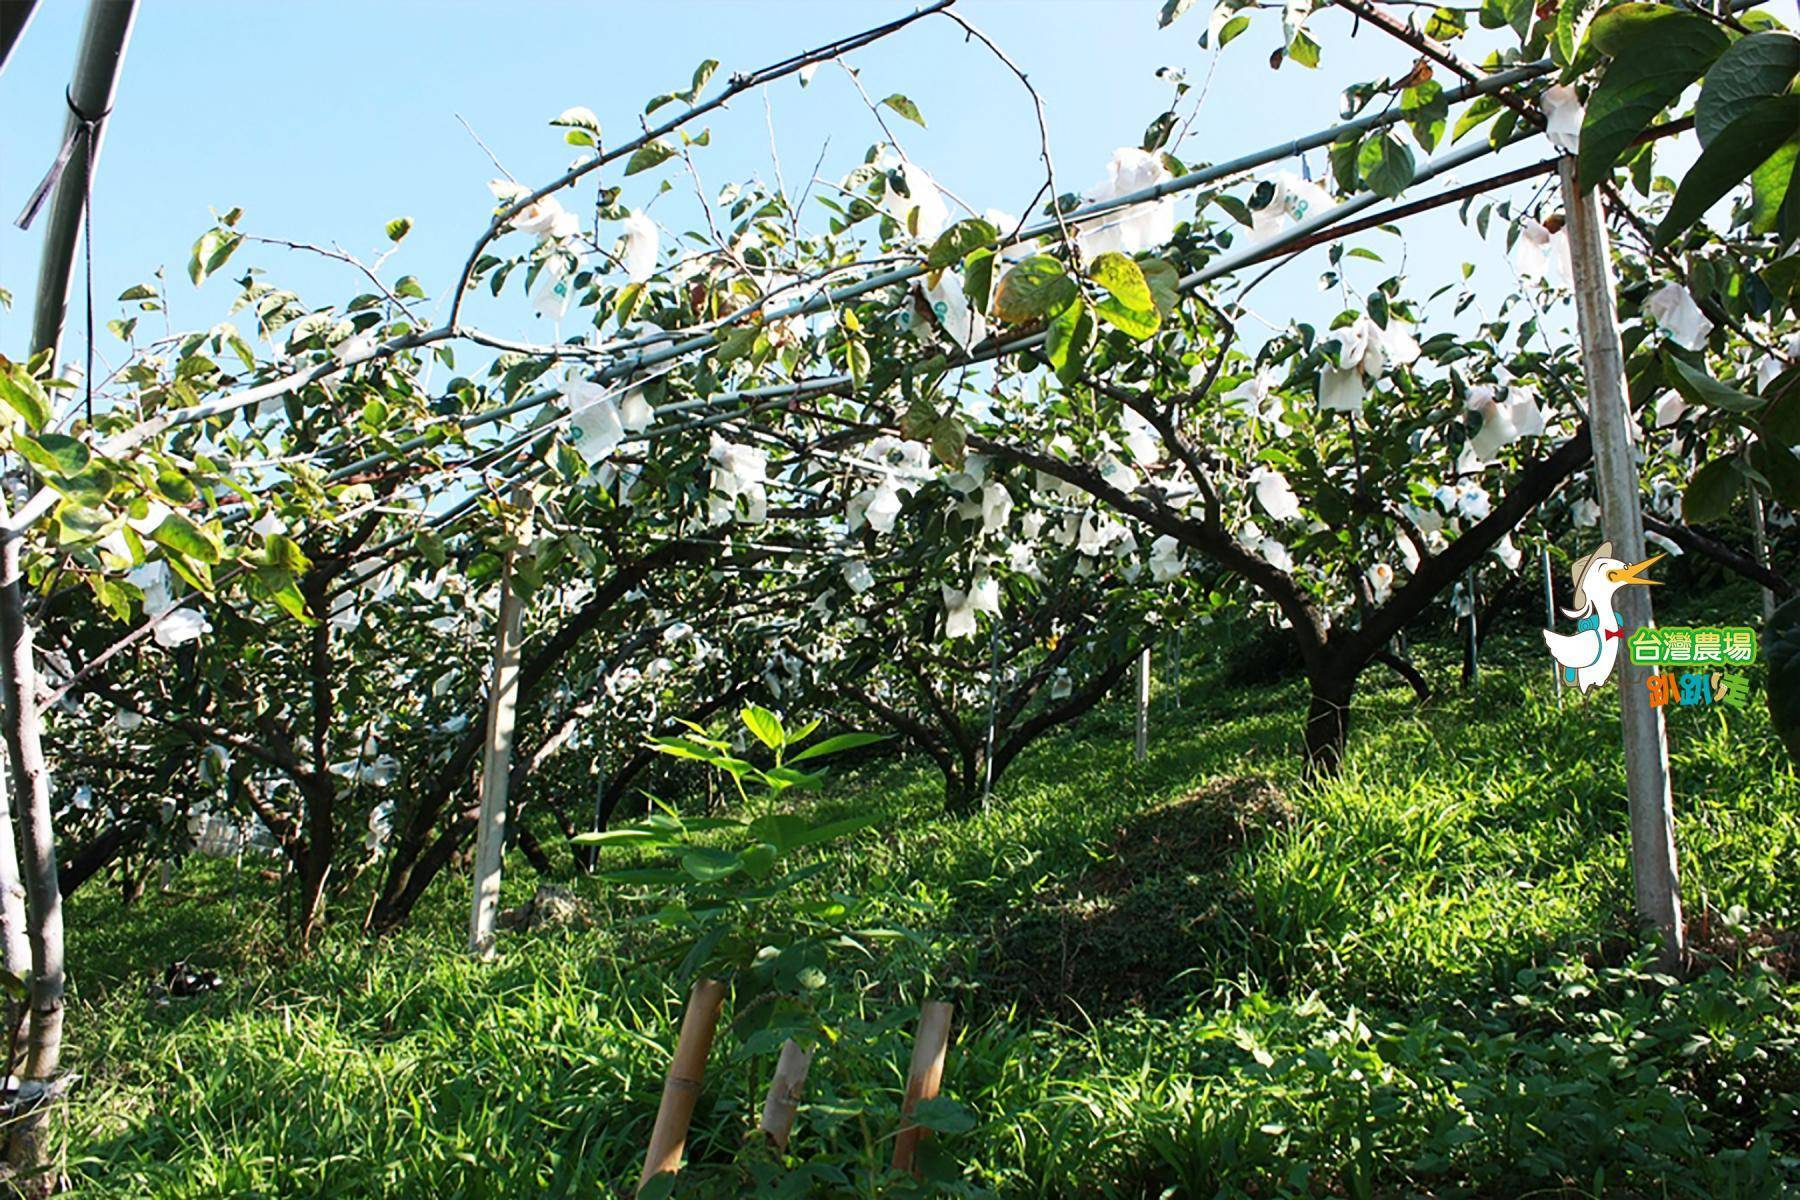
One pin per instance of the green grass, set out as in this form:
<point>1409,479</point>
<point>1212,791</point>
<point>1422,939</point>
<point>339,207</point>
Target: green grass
<point>1189,978</point>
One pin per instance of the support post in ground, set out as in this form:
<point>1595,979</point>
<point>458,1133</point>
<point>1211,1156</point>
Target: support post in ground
<point>1550,616</point>
<point>1759,535</point>
<point>681,1088</point>
<point>924,1077</point>
<point>496,768</point>
<point>1656,879</point>
<point>783,1100</point>
<point>1142,750</point>
<point>987,759</point>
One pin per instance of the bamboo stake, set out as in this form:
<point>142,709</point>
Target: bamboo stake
<point>1473,661</point>
<point>1654,870</point>
<point>783,1100</point>
<point>1175,669</point>
<point>1550,617</point>
<point>1759,544</point>
<point>923,1079</point>
<point>1142,751</point>
<point>987,758</point>
<point>668,1137</point>
<point>496,768</point>
<point>104,37</point>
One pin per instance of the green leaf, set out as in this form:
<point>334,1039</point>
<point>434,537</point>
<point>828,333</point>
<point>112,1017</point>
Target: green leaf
<point>943,1115</point>
<point>1770,185</point>
<point>620,837</point>
<point>409,288</point>
<point>1385,164</point>
<point>709,864</point>
<point>1303,50</point>
<point>650,154</point>
<point>577,118</point>
<point>948,442</point>
<point>1761,65</point>
<point>1037,287</point>
<point>1499,14</point>
<point>1171,12</point>
<point>702,76</point>
<point>1231,29</point>
<point>211,252</point>
<point>138,291</point>
<point>978,279</point>
<point>837,745</point>
<point>176,487</point>
<point>1756,135</point>
<point>25,396</point>
<point>765,725</point>
<point>1069,339</point>
<point>1156,135</point>
<point>1697,387</point>
<point>905,108</point>
<point>1779,465</point>
<point>284,552</point>
<point>959,241</point>
<point>831,831</point>
<point>1123,279</point>
<point>1426,112</point>
<point>183,536</point>
<point>1656,53</point>
<point>1165,284</point>
<point>280,587</point>
<point>398,228</point>
<point>1446,25</point>
<point>1787,220</point>
<point>1572,17</point>
<point>789,777</point>
<point>1136,324</point>
<point>54,453</point>
<point>1712,491</point>
<point>1480,111</point>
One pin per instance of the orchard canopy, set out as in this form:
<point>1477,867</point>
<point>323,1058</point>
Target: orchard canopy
<point>466,554</point>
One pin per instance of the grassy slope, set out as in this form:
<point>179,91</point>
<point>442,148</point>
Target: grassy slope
<point>1168,978</point>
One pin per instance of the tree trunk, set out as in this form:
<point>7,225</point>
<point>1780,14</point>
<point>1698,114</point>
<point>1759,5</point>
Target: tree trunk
<point>962,785</point>
<point>1328,721</point>
<point>30,783</point>
<point>314,863</point>
<point>15,945</point>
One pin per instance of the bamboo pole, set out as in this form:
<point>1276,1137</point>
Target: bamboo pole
<point>681,1089</point>
<point>1175,669</point>
<point>930,1045</point>
<point>15,19</point>
<point>1550,616</point>
<point>783,1100</point>
<point>1142,751</point>
<point>1759,545</point>
<point>96,80</point>
<point>102,50</point>
<point>1472,675</point>
<point>987,757</point>
<point>496,768</point>
<point>1654,870</point>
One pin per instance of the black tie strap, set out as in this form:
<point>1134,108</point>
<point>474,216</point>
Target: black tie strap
<point>87,127</point>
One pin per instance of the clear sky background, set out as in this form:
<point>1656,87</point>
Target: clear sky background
<point>326,119</point>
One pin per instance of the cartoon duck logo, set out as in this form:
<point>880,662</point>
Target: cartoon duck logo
<point>1588,655</point>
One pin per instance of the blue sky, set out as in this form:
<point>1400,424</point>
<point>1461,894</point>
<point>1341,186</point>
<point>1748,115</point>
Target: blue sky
<point>324,120</point>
